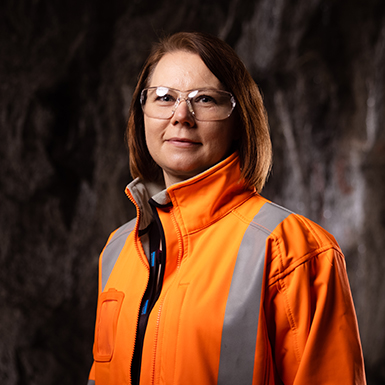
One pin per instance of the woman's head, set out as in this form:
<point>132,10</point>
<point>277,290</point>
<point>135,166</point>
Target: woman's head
<point>249,117</point>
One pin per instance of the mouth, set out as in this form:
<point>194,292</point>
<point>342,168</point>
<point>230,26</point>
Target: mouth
<point>183,142</point>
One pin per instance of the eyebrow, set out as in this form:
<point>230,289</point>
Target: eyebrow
<point>191,89</point>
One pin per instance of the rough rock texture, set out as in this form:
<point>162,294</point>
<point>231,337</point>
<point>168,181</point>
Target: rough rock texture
<point>67,72</point>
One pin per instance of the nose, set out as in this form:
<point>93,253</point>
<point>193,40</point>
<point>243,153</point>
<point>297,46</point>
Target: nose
<point>182,114</point>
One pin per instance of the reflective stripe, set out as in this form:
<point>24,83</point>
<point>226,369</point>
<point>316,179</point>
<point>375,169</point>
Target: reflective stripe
<point>91,382</point>
<point>240,324</point>
<point>113,249</point>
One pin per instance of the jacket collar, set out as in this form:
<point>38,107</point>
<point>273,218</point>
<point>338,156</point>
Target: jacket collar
<point>197,201</point>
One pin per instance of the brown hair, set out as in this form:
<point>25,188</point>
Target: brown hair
<point>254,146</point>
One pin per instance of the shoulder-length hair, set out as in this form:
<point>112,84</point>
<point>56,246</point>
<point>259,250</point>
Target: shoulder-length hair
<point>254,146</point>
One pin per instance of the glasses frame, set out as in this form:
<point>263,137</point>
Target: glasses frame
<point>187,100</point>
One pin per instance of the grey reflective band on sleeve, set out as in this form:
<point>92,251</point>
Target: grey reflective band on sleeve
<point>239,334</point>
<point>91,382</point>
<point>113,249</point>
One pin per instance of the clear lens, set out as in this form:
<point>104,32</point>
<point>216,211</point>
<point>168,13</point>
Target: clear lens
<point>206,104</point>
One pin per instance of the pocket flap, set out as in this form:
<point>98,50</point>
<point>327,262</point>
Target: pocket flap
<point>109,305</point>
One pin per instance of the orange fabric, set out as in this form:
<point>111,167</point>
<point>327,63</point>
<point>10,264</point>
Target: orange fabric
<point>307,331</point>
<point>309,309</point>
<point>107,317</point>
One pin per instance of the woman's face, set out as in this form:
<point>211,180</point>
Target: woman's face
<point>182,146</point>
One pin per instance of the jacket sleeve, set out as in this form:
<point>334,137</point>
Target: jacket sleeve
<point>312,324</point>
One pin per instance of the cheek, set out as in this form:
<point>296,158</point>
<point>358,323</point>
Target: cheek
<point>150,138</point>
<point>152,131</point>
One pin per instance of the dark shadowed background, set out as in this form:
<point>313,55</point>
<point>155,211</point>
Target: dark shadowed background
<point>67,72</point>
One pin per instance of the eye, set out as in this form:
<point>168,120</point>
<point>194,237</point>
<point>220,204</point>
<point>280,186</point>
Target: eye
<point>164,100</point>
<point>205,99</point>
<point>164,97</point>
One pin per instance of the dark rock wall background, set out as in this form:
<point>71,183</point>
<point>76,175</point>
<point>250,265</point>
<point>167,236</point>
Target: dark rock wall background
<point>67,72</point>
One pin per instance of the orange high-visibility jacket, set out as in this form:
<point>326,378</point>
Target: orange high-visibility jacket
<point>252,293</point>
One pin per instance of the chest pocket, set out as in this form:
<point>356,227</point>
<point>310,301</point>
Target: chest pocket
<point>107,316</point>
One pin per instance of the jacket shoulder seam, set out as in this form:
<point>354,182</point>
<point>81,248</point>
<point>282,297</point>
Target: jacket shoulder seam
<point>251,223</point>
<point>300,261</point>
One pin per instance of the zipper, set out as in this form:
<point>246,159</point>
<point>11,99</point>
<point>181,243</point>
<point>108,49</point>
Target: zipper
<point>152,293</point>
<point>163,297</point>
<point>144,262</point>
<point>136,230</point>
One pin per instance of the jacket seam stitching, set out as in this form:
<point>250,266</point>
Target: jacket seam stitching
<point>300,261</point>
<point>230,211</point>
<point>250,222</point>
<point>288,311</point>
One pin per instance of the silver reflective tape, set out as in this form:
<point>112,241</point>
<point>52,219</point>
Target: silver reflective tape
<point>113,249</point>
<point>240,324</point>
<point>91,382</point>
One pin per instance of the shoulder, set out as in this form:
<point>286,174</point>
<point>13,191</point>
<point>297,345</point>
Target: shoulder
<point>300,242</point>
<point>291,239</point>
<point>282,223</point>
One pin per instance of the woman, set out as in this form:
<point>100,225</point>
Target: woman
<point>212,283</point>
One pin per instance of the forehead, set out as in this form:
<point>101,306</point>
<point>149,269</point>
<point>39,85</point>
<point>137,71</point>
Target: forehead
<point>184,71</point>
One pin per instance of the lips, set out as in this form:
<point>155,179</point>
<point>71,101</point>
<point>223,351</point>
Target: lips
<point>182,142</point>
